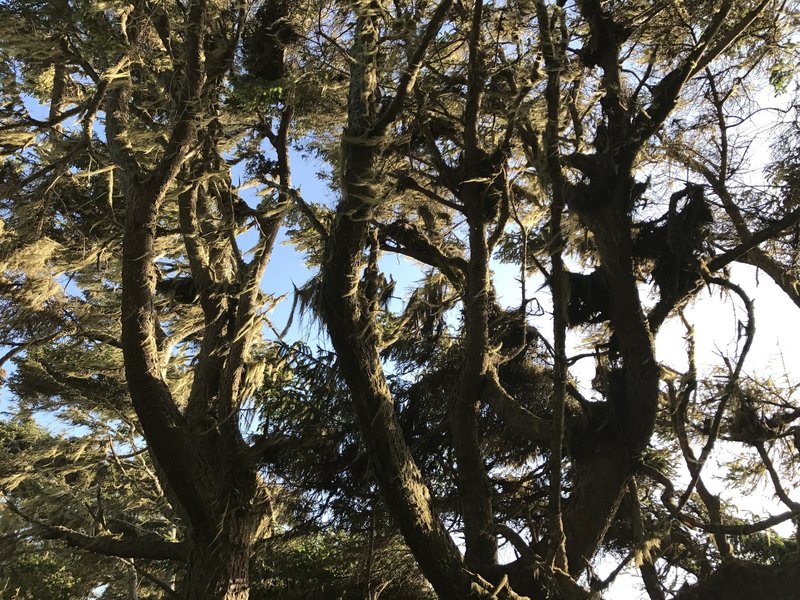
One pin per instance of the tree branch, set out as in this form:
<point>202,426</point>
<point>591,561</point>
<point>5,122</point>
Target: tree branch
<point>515,417</point>
<point>149,547</point>
<point>409,76</point>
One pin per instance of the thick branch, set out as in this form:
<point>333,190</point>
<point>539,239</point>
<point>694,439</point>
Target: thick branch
<point>352,329</point>
<point>165,429</point>
<point>515,417</point>
<point>150,547</point>
<point>554,61</point>
<point>415,244</point>
<point>667,92</point>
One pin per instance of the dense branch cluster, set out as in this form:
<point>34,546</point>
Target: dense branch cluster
<point>432,433</point>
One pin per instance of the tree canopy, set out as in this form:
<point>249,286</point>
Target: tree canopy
<point>518,190</point>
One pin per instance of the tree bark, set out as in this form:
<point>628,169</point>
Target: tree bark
<point>352,332</point>
<point>347,311</point>
<point>601,481</point>
<point>474,488</point>
<point>218,565</point>
<point>603,472</point>
<point>741,580</point>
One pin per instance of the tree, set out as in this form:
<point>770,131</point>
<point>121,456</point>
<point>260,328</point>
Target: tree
<point>582,109</point>
<point>151,195</point>
<point>70,500</point>
<point>540,134</point>
<point>60,489</point>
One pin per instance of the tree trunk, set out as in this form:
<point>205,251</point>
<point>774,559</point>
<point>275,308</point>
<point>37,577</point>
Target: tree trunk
<point>218,575</point>
<point>604,471</point>
<point>600,484</point>
<point>133,583</point>
<point>741,580</point>
<point>218,562</point>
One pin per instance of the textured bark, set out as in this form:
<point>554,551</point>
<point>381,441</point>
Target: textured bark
<point>353,334</point>
<point>218,561</point>
<point>143,546</point>
<point>781,275</point>
<point>207,475</point>
<point>604,205</point>
<point>740,580</point>
<point>473,482</point>
<point>601,481</point>
<point>347,310</point>
<point>602,474</point>
<point>219,573</point>
<point>179,457</point>
<point>184,467</point>
<point>555,59</point>
<point>202,460</point>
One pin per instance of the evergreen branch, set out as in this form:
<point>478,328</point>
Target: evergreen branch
<point>409,77</point>
<point>730,36</point>
<point>695,466</point>
<point>780,491</point>
<point>665,94</point>
<point>410,183</point>
<point>520,545</point>
<point>17,348</point>
<point>163,585</point>
<point>768,233</point>
<point>150,547</point>
<point>270,449</point>
<point>415,244</point>
<point>739,529</point>
<point>516,417</point>
<point>234,385</point>
<point>99,336</point>
<point>299,201</point>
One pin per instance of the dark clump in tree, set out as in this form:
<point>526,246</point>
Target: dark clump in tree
<point>588,298</point>
<point>265,39</point>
